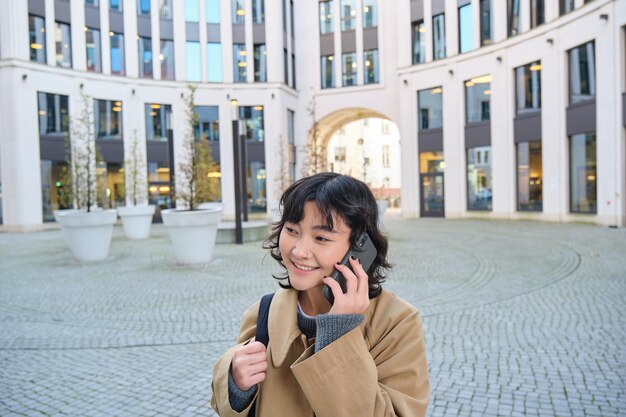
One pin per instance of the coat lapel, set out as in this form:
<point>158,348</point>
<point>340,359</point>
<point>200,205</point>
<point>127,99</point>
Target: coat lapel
<point>283,324</point>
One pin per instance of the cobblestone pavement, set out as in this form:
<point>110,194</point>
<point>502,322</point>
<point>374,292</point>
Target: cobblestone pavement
<point>521,319</point>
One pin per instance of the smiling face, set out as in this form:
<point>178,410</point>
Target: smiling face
<point>310,249</point>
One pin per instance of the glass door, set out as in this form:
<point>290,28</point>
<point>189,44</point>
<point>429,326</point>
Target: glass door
<point>432,204</point>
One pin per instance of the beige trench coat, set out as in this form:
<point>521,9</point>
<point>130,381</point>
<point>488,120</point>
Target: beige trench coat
<point>378,369</point>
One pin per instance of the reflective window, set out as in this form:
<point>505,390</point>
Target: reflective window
<point>537,10</point>
<point>208,127</point>
<point>111,191</point>
<point>582,73</point>
<point>529,176</point>
<point>419,42</point>
<point>370,18</point>
<point>117,53</point>
<point>370,60</point>
<point>108,118</point>
<point>158,119</point>
<point>214,62</point>
<point>431,162</point>
<point>239,62</point>
<point>93,49</point>
<point>94,3</point>
<point>167,59</point>
<point>284,2</point>
<point>479,187</point>
<point>37,38</point>
<point>477,99</point>
<point>583,183</point>
<point>513,17</point>
<point>292,18</point>
<point>466,29</point>
<point>485,22</point>
<point>192,11</point>
<point>260,64</point>
<point>115,5</point>
<point>439,36</point>
<point>63,44</point>
<point>349,69</point>
<point>430,108</point>
<point>143,7</point>
<point>328,71</point>
<point>253,124</point>
<point>192,61</point>
<point>286,65</point>
<point>54,183</point>
<point>212,8</point>
<point>53,111</point>
<point>326,17</point>
<point>165,9</point>
<point>257,199</point>
<point>348,14</point>
<point>145,57</point>
<point>159,192</point>
<point>239,12</point>
<point>293,71</point>
<point>566,6</point>
<point>258,11</point>
<point>528,88</point>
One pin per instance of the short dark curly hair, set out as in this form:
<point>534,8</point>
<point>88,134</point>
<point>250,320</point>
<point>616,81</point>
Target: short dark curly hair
<point>344,197</point>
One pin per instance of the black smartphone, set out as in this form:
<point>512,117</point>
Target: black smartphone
<point>364,250</point>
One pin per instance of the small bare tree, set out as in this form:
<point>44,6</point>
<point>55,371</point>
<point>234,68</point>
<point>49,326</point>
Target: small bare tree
<point>282,177</point>
<point>136,170</point>
<point>315,151</point>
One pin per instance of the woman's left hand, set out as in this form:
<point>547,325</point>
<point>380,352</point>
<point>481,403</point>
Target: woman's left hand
<point>356,299</point>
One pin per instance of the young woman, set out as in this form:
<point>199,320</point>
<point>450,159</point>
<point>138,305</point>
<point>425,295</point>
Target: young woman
<point>361,356</point>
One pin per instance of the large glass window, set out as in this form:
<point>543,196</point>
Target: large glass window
<point>167,59</point>
<point>419,42</point>
<point>37,38</point>
<point>93,49</point>
<point>212,8</point>
<point>239,62</point>
<point>53,113</point>
<point>253,124</point>
<point>293,71</point>
<point>513,17</point>
<point>529,176</point>
<point>479,187</point>
<point>370,60</point>
<point>257,199</point>
<point>192,61</point>
<point>466,29</point>
<point>477,99</point>
<point>117,53</point>
<point>165,9</point>
<point>158,119</point>
<point>159,192</point>
<point>260,63</point>
<point>258,11</point>
<point>143,7</point>
<point>566,6</point>
<point>94,3</point>
<point>326,17</point>
<point>537,13</point>
<point>439,36</point>
<point>528,87</point>
<point>583,183</point>
<point>214,62</point>
<point>328,71</point>
<point>63,43</point>
<point>108,118</point>
<point>348,69</point>
<point>370,18</point>
<point>208,127</point>
<point>582,73</point>
<point>192,11</point>
<point>53,182</point>
<point>115,5</point>
<point>430,108</point>
<point>239,12</point>
<point>348,14</point>
<point>286,65</point>
<point>485,22</point>
<point>145,57</point>
<point>110,178</point>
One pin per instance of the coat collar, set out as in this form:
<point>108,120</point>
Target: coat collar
<point>283,324</point>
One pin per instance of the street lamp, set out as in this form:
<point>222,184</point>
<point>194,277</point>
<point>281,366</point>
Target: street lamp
<point>239,162</point>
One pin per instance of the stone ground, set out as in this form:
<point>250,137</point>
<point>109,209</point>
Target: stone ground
<point>521,319</point>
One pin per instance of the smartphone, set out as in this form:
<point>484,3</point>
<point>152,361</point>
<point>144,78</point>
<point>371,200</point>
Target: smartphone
<point>364,250</point>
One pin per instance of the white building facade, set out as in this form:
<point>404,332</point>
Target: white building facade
<point>505,109</point>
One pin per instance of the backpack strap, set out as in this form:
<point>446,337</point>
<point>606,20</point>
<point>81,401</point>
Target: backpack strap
<point>262,334</point>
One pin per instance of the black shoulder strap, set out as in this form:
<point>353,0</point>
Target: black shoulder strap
<point>262,334</point>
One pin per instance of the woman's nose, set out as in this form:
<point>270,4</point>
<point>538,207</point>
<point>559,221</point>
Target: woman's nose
<point>301,249</point>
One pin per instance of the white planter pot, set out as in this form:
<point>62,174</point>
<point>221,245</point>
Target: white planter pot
<point>87,234</point>
<point>193,233</point>
<point>136,220</point>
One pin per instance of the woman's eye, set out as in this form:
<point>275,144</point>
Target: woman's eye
<point>290,230</point>
<point>322,239</point>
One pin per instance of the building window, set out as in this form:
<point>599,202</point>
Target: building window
<point>485,22</point>
<point>340,154</point>
<point>466,29</point>
<point>239,62</point>
<point>326,17</point>
<point>37,37</point>
<point>192,11</point>
<point>208,127</point>
<point>349,69</point>
<point>257,200</point>
<point>239,12</point>
<point>159,185</point>
<point>328,71</point>
<point>528,88</point>
<point>93,49</point>
<point>260,63</point>
<point>386,156</point>
<point>212,11</point>
<point>158,118</point>
<point>384,128</point>
<point>53,113</point>
<point>252,118</point>
<point>258,11</point>
<point>430,108</point>
<point>145,57</point>
<point>370,60</point>
<point>291,18</point>
<point>108,118</point>
<point>63,42</point>
<point>477,99</point>
<point>93,3</point>
<point>479,178</point>
<point>286,65</point>
<point>165,9</point>
<point>192,61</point>
<point>167,59</point>
<point>529,176</point>
<point>293,71</point>
<point>566,6</point>
<point>115,5</point>
<point>143,7</point>
<point>439,37</point>
<point>583,173</point>
<point>348,14</point>
<point>53,183</point>
<point>582,73</point>
<point>537,13</point>
<point>419,42</point>
<point>111,176</point>
<point>214,62</point>
<point>514,18</point>
<point>370,18</point>
<point>117,53</point>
